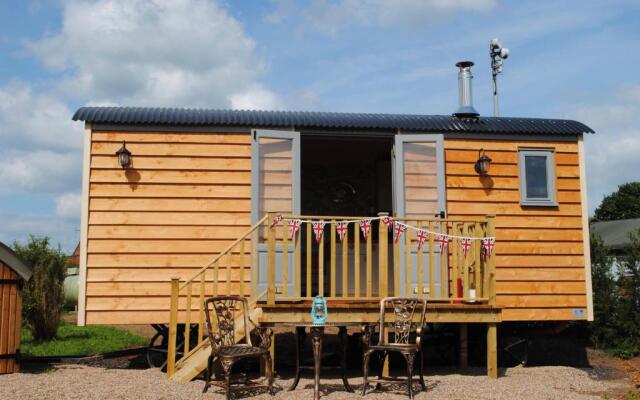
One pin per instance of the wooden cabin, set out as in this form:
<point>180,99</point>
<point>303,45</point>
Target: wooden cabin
<point>207,198</point>
<point>13,273</point>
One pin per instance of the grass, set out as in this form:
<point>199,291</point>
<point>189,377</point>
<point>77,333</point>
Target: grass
<point>75,340</point>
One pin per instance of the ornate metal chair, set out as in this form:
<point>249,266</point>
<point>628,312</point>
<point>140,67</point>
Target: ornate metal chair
<point>227,309</point>
<point>403,310</point>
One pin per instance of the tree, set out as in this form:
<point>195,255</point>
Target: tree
<point>621,204</point>
<point>629,302</point>
<point>43,295</point>
<point>603,330</point>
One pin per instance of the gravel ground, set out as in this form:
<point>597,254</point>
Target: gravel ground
<point>73,381</point>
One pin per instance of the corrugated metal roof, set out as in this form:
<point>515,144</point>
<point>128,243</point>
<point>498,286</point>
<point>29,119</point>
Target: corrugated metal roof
<point>325,120</point>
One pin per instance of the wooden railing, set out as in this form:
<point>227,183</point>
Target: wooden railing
<point>349,265</point>
<point>267,264</point>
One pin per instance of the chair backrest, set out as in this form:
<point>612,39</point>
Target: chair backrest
<point>402,310</point>
<point>226,310</point>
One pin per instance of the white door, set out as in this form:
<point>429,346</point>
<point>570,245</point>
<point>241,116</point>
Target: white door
<point>275,187</point>
<point>419,192</point>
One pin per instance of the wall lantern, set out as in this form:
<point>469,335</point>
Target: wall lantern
<point>483,163</point>
<point>124,156</point>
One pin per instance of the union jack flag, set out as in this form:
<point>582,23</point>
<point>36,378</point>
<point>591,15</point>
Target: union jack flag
<point>276,220</point>
<point>388,221</point>
<point>443,241</point>
<point>294,225</point>
<point>398,231</point>
<point>465,243</point>
<point>341,228</point>
<point>422,236</point>
<point>318,229</point>
<point>365,227</point>
<point>488,244</point>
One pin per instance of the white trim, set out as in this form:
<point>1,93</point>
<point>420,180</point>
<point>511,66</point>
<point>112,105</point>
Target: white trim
<point>84,226</point>
<point>586,236</point>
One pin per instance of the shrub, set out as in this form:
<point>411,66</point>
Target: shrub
<point>43,295</point>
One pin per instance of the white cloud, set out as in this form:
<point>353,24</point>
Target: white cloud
<point>255,98</point>
<point>161,52</point>
<point>40,170</point>
<point>68,205</point>
<point>612,153</point>
<point>331,16</point>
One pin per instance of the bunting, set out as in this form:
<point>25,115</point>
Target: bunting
<point>388,221</point>
<point>398,231</point>
<point>443,241</point>
<point>465,243</point>
<point>365,227</point>
<point>318,229</point>
<point>488,244</point>
<point>294,226</point>
<point>422,236</point>
<point>342,229</point>
<point>276,220</point>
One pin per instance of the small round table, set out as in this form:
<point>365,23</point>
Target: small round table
<point>317,334</point>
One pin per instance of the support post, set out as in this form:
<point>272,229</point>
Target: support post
<point>271,261</point>
<point>173,326</point>
<point>492,350</point>
<point>491,262</point>
<point>383,257</point>
<point>463,343</point>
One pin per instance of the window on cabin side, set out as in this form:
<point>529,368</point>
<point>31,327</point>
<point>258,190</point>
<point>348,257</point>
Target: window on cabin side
<point>537,177</point>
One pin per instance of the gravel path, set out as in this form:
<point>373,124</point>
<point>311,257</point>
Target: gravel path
<point>72,381</point>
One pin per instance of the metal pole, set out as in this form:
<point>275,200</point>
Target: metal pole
<point>496,107</point>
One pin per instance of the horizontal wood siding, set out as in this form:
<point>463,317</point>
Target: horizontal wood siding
<point>185,198</point>
<point>540,272</point>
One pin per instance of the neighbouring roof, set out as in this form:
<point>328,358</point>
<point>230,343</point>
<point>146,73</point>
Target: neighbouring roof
<point>615,234</point>
<point>326,120</point>
<point>14,262</point>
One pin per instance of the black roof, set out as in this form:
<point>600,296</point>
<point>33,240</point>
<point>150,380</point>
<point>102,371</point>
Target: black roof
<point>325,120</point>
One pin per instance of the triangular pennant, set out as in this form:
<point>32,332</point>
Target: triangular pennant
<point>443,241</point>
<point>342,229</point>
<point>398,230</point>
<point>365,227</point>
<point>388,221</point>
<point>276,220</point>
<point>318,229</point>
<point>488,244</point>
<point>465,243</point>
<point>422,236</point>
<point>294,226</point>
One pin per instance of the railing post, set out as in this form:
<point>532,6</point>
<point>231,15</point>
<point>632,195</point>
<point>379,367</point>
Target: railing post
<point>173,326</point>
<point>383,257</point>
<point>271,261</point>
<point>491,262</point>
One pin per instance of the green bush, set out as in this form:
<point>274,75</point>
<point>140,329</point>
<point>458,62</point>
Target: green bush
<point>43,294</point>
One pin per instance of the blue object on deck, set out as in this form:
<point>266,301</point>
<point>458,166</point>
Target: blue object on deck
<point>319,310</point>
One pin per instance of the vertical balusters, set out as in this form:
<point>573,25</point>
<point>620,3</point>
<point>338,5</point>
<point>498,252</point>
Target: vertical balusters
<point>229,263</point>
<point>444,269</point>
<point>477,247</point>
<point>491,262</point>
<point>369,262</point>
<point>356,260</point>
<point>332,258</point>
<point>201,306</point>
<point>407,260</point>
<point>254,264</point>
<point>285,262</point>
<point>383,258</point>
<point>396,265</point>
<point>321,265</point>
<point>432,265</point>
<point>465,263</point>
<point>455,260</point>
<point>241,273</point>
<point>271,262</point>
<point>187,322</point>
<point>419,264</point>
<point>345,264</point>
<point>216,277</point>
<point>309,250</point>
<point>296,264</point>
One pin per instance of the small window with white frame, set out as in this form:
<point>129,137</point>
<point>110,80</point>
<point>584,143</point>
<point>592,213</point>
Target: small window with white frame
<point>537,177</point>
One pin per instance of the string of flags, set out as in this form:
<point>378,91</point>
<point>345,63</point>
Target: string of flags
<point>399,230</point>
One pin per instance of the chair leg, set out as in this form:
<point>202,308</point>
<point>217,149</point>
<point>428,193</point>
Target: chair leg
<point>383,357</point>
<point>365,371</point>
<point>424,385</point>
<point>409,358</point>
<point>269,372</point>
<point>207,374</point>
<point>226,366</point>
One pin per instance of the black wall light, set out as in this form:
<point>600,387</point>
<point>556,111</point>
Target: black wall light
<point>124,156</point>
<point>483,163</point>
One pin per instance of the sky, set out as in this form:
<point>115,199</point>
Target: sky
<point>569,59</point>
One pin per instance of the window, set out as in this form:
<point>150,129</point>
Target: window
<point>537,177</point>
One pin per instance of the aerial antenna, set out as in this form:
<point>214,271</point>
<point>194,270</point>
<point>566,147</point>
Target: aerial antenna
<point>497,54</point>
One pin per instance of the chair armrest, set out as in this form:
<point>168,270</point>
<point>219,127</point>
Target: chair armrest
<point>367,333</point>
<point>265,335</point>
<point>419,338</point>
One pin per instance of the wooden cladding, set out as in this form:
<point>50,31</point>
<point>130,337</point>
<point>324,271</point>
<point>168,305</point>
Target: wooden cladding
<point>184,199</point>
<point>540,253</point>
<point>10,319</point>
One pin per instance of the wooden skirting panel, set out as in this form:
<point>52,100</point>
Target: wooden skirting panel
<point>540,272</point>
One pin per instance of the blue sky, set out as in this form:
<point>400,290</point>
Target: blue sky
<point>569,59</point>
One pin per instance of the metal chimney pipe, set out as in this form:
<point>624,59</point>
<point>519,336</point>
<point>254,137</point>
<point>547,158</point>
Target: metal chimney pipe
<point>465,97</point>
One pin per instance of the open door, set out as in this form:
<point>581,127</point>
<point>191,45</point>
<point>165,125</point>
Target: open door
<point>275,187</point>
<point>419,192</point>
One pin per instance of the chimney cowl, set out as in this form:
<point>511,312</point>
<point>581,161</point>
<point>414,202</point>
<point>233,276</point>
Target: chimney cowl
<point>465,95</point>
